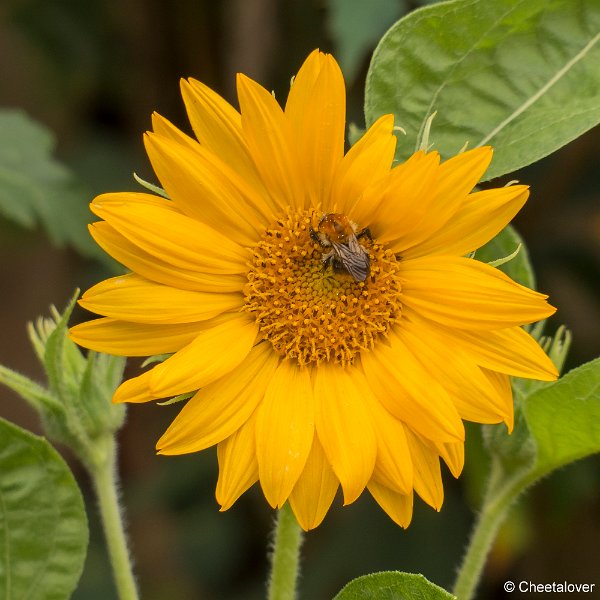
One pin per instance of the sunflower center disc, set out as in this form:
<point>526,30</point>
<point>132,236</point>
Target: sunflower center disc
<point>312,314</point>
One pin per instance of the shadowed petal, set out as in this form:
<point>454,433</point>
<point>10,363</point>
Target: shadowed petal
<point>238,467</point>
<point>399,507</point>
<point>315,489</point>
<point>345,429</point>
<point>284,431</point>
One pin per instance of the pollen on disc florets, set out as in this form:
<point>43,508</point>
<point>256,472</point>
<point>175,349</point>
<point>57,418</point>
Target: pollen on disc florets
<point>312,314</point>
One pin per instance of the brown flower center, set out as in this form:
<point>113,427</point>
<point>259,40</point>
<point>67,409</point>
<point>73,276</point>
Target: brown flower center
<point>314,314</point>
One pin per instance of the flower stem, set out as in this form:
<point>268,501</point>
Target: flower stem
<point>286,555</point>
<point>499,497</point>
<point>104,476</point>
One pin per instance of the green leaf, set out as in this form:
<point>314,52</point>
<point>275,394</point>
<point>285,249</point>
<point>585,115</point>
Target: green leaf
<point>564,418</point>
<point>504,244</point>
<point>36,189</point>
<point>43,526</point>
<point>555,424</point>
<point>521,75</point>
<point>393,585</point>
<point>355,27</point>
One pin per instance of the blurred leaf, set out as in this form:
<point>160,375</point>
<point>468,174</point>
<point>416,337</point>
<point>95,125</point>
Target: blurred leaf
<point>521,76</point>
<point>392,585</point>
<point>356,25</point>
<point>43,524</point>
<point>504,244</point>
<point>36,189</point>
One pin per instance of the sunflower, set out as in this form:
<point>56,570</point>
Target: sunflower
<point>307,371</point>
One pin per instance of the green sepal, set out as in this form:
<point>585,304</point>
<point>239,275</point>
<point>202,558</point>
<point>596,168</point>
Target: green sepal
<point>177,399</point>
<point>76,409</point>
<point>519,266</point>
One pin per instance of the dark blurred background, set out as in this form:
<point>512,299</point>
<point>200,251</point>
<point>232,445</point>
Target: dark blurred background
<point>93,72</point>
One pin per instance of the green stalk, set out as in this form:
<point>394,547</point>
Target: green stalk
<point>499,498</point>
<point>104,477</point>
<point>285,557</point>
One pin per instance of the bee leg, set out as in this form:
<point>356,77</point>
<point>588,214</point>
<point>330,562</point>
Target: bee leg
<point>314,236</point>
<point>366,232</point>
<point>328,259</point>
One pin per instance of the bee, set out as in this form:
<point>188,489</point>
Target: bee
<point>338,233</point>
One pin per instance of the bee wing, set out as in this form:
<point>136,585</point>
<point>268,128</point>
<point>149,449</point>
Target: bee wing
<point>354,258</point>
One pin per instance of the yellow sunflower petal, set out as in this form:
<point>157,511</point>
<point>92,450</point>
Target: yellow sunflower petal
<point>345,429</point>
<point>397,205</point>
<point>315,489</point>
<point>468,294</point>
<point>456,177</point>
<point>171,236</point>
<point>393,466</point>
<point>143,263</point>
<point>453,455</point>
<point>501,382</point>
<point>269,138</point>
<point>207,189</point>
<point>368,161</point>
<point>427,472</point>
<point>284,431</point>
<point>301,89</point>
<point>238,467</point>
<point>214,353</point>
<point>316,110</point>
<point>166,129</point>
<point>475,397</point>
<point>134,298</point>
<point>220,408</point>
<point>218,127</point>
<point>136,390</point>
<point>399,507</point>
<point>407,391</point>
<point>481,216</point>
<point>512,351</point>
<point>136,339</point>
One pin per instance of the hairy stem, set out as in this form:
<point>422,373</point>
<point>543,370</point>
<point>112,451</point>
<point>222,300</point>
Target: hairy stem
<point>104,477</point>
<point>285,557</point>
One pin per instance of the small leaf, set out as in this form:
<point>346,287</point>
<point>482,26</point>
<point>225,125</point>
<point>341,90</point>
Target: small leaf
<point>43,526</point>
<point>520,76</point>
<point>564,418</point>
<point>37,189</point>
<point>504,244</point>
<point>393,585</point>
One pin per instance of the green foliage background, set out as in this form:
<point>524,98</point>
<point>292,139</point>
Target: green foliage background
<point>92,73</point>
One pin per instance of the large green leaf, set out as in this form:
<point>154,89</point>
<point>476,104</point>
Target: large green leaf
<point>521,75</point>
<point>36,189</point>
<point>564,418</point>
<point>392,585</point>
<point>43,526</point>
<point>555,424</point>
